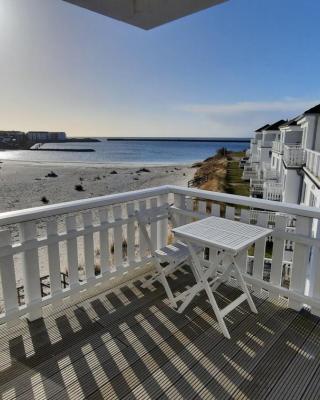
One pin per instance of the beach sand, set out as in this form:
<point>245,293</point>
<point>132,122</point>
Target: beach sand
<point>23,184</point>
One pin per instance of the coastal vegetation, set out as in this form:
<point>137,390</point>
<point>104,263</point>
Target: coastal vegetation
<point>221,173</point>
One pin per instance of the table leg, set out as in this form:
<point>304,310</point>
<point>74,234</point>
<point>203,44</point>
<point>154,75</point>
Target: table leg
<point>208,290</point>
<point>244,286</point>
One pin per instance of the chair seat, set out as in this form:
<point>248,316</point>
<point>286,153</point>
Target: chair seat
<point>177,251</point>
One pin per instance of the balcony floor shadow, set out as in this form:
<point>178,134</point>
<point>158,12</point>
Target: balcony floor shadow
<point>128,343</point>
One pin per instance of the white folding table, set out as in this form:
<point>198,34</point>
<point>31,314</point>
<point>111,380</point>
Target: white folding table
<point>228,240</point>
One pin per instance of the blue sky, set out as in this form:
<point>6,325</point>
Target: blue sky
<point>221,72</point>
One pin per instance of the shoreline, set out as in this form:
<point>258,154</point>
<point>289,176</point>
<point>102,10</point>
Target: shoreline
<point>96,164</point>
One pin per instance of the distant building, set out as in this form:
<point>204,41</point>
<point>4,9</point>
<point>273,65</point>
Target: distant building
<point>12,137</point>
<point>283,162</point>
<point>46,136</point>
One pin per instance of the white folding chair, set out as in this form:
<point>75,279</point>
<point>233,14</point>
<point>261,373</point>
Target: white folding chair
<point>166,259</point>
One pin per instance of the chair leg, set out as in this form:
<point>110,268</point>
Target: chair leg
<point>150,281</point>
<point>168,290</point>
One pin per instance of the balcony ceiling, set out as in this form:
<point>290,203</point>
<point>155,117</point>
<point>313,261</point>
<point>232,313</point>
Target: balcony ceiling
<point>146,14</point>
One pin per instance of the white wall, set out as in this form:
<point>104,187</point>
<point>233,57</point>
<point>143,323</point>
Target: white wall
<point>276,162</point>
<point>312,193</point>
<point>264,155</point>
<point>311,132</point>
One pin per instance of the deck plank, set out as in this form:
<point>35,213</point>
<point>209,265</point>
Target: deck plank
<point>277,359</point>
<point>186,383</point>
<point>128,343</point>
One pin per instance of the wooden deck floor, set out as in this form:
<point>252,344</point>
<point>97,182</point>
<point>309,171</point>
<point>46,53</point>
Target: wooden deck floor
<point>129,344</point>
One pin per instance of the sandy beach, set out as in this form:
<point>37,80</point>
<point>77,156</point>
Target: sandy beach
<point>24,184</point>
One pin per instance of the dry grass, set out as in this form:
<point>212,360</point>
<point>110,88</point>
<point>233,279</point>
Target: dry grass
<point>224,174</point>
<point>216,169</point>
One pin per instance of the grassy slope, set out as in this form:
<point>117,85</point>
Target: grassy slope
<point>224,174</point>
<point>234,183</point>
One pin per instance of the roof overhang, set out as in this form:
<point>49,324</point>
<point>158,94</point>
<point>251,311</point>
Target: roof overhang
<point>146,14</point>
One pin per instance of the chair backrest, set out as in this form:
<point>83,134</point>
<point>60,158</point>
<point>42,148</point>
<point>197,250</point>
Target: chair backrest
<point>147,217</point>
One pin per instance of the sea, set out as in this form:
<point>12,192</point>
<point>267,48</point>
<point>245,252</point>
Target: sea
<point>127,152</point>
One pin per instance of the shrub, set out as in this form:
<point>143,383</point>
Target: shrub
<point>79,188</point>
<point>223,151</point>
<point>44,200</point>
<point>51,174</point>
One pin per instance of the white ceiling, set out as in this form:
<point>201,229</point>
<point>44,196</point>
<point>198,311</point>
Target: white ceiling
<point>145,14</point>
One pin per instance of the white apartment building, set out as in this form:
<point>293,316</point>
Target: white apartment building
<point>309,123</point>
<point>258,167</point>
<point>40,136</point>
<point>284,160</point>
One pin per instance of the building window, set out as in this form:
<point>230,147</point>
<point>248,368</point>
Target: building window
<point>312,200</point>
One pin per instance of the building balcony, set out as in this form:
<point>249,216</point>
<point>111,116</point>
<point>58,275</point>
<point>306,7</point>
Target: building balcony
<point>272,191</point>
<point>250,172</point>
<point>312,159</point>
<point>264,143</point>
<point>269,174</point>
<point>256,187</point>
<point>277,147</point>
<point>98,333</point>
<point>294,156</point>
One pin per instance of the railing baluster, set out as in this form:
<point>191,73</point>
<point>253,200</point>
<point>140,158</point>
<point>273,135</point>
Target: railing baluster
<point>202,206</point>
<point>242,259</point>
<point>118,238</point>
<point>88,246</point>
<point>230,212</point>
<point>300,262</point>
<point>259,251</point>
<point>315,270</point>
<point>143,248</point>
<point>8,277</point>
<point>153,226</point>
<point>30,270</point>
<point>131,235</point>
<point>189,205</point>
<point>277,254</point>
<point>104,242</point>
<point>54,258</point>
<point>72,252</point>
<point>215,210</point>
<point>163,224</point>
<point>180,202</point>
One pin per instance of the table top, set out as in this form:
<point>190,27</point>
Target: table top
<point>221,233</point>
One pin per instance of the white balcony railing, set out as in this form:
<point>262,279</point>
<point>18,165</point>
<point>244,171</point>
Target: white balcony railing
<point>270,174</point>
<point>313,162</point>
<point>96,240</point>
<point>250,172</point>
<point>256,187</point>
<point>277,146</point>
<point>294,155</point>
<point>264,143</point>
<point>272,191</point>
<point>255,158</point>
